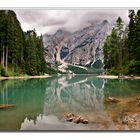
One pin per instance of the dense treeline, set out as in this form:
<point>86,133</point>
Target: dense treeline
<point>20,52</point>
<point>122,47</point>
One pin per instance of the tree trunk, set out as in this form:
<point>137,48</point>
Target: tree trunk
<point>6,57</point>
<point>3,60</point>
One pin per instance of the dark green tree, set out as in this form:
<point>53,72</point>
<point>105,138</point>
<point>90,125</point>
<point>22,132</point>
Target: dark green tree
<point>21,52</point>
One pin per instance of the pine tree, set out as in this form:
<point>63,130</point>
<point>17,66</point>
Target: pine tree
<point>120,32</point>
<point>121,50</point>
<point>134,46</point>
<point>131,33</point>
<point>110,50</point>
<point>3,25</point>
<point>23,52</point>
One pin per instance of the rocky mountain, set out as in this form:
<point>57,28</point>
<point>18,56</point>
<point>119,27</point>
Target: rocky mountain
<point>52,43</point>
<point>83,47</point>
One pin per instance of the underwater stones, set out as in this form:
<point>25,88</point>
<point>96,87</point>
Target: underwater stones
<point>139,103</point>
<point>132,121</point>
<point>125,120</point>
<point>75,118</point>
<point>68,116</point>
<point>69,119</point>
<point>111,100</point>
<point>85,121</point>
<point>138,99</point>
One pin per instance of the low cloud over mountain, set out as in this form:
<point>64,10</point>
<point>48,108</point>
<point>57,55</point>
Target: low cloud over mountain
<point>51,20</point>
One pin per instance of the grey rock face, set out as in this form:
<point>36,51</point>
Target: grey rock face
<point>83,47</point>
<point>52,42</point>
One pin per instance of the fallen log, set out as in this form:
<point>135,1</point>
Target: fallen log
<point>5,106</point>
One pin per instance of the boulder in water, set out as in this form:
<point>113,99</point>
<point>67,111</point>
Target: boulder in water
<point>85,121</point>
<point>69,116</point>
<point>75,118</point>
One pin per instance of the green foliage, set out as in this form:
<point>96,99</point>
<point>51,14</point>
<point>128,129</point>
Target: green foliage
<point>3,72</point>
<point>122,48</point>
<point>78,70</point>
<point>134,67</point>
<point>111,50</point>
<point>24,51</point>
<point>114,71</point>
<point>34,54</point>
<point>98,64</point>
<point>50,70</point>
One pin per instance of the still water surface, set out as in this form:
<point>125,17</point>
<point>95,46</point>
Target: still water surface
<point>39,104</point>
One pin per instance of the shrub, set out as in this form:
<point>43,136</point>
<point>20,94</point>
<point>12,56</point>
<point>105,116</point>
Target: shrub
<point>114,71</point>
<point>3,72</point>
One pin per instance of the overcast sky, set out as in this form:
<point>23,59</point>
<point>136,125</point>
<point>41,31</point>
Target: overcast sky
<point>49,21</point>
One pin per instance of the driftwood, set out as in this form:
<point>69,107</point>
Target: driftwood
<point>5,106</point>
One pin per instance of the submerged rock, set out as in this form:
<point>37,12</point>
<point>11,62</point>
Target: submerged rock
<point>85,121</point>
<point>75,118</point>
<point>138,98</point>
<point>111,100</point>
<point>139,103</point>
<point>69,116</point>
<point>132,121</point>
<point>69,119</point>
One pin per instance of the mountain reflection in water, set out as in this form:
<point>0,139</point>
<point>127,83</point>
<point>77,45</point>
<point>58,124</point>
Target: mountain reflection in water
<point>80,95</point>
<point>41,103</point>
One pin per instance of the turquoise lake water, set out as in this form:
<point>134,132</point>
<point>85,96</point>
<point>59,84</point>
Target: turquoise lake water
<point>39,104</point>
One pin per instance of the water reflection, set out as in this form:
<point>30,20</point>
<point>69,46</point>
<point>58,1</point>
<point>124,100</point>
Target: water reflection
<point>41,103</point>
<point>70,93</point>
<point>27,97</point>
<point>50,122</point>
<point>75,94</point>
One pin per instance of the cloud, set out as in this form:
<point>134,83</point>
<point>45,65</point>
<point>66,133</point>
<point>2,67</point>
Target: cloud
<point>48,21</point>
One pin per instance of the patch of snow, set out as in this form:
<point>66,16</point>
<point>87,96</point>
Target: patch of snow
<point>79,66</point>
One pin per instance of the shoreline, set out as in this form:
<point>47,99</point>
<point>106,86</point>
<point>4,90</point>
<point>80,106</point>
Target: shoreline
<point>46,76</point>
<point>24,77</point>
<point>116,77</point>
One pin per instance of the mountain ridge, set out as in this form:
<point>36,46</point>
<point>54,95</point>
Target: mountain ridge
<point>82,47</point>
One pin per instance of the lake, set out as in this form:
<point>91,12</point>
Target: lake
<point>39,104</point>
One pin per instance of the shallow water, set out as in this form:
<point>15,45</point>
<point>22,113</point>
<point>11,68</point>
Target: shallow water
<point>39,104</point>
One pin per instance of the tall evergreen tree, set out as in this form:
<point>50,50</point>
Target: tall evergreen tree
<point>131,33</point>
<point>125,48</point>
<point>19,51</point>
<point>120,32</point>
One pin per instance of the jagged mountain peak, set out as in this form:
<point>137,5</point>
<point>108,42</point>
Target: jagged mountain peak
<point>83,47</point>
<point>62,31</point>
<point>105,21</point>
